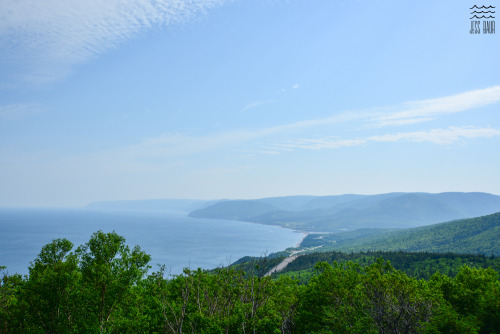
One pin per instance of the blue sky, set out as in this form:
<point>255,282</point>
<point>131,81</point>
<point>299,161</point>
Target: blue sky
<point>140,99</point>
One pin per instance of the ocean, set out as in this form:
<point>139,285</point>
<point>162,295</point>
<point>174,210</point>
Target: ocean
<point>171,238</point>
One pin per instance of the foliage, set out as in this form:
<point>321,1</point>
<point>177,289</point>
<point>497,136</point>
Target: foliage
<point>51,288</point>
<point>109,269</point>
<point>103,287</point>
<point>257,266</point>
<point>467,236</point>
<point>378,299</point>
<point>468,303</point>
<point>416,264</point>
<point>12,306</point>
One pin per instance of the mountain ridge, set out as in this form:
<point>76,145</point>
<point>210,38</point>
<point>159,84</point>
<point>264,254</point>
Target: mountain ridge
<point>478,235</point>
<point>351,212</point>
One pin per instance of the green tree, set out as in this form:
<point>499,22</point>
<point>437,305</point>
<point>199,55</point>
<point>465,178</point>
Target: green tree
<point>468,303</point>
<point>12,306</point>
<point>51,288</point>
<point>398,303</point>
<point>334,302</point>
<point>109,271</point>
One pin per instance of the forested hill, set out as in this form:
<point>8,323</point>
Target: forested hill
<point>351,212</point>
<point>474,236</point>
<point>421,265</point>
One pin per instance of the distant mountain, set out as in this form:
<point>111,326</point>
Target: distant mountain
<point>471,204</point>
<point>351,212</point>
<point>329,201</point>
<point>292,203</point>
<point>473,236</point>
<point>182,205</point>
<point>236,210</point>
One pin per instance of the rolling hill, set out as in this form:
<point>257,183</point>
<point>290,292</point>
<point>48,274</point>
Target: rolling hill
<point>235,210</point>
<point>351,212</point>
<point>479,235</point>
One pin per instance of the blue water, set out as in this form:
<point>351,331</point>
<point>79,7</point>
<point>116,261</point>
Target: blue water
<point>172,239</point>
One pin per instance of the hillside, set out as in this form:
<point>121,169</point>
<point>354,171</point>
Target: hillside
<point>474,236</point>
<point>237,210</point>
<point>351,212</point>
<point>421,265</point>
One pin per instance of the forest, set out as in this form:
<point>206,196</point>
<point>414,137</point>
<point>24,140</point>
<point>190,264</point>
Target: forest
<point>421,265</point>
<point>104,286</point>
<point>477,235</point>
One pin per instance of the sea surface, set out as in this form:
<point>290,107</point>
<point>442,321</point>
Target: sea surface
<point>171,238</point>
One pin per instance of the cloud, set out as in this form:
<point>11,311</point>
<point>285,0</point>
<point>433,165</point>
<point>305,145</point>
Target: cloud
<point>425,110</point>
<point>255,105</point>
<point>295,86</point>
<point>405,114</point>
<point>15,112</point>
<point>177,145</point>
<point>436,136</point>
<point>47,38</point>
<point>161,150</point>
<point>183,144</point>
<point>316,144</point>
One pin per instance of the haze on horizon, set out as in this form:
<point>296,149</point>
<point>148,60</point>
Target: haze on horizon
<point>209,99</point>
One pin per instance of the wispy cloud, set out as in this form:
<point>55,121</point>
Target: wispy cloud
<point>435,136</point>
<point>399,115</point>
<point>425,110</point>
<point>19,111</point>
<point>256,104</point>
<point>177,145</point>
<point>438,136</point>
<point>317,144</point>
<point>182,144</point>
<point>47,38</point>
<point>302,135</point>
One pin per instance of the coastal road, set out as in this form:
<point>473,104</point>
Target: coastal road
<point>282,265</point>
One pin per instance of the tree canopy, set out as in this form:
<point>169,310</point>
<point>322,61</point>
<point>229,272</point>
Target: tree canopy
<point>104,287</point>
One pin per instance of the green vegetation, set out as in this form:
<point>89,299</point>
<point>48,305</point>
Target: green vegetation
<point>419,265</point>
<point>352,212</point>
<point>78,292</point>
<point>103,287</point>
<point>473,236</point>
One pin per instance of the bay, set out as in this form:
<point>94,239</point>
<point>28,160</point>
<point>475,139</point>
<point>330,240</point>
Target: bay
<point>171,238</point>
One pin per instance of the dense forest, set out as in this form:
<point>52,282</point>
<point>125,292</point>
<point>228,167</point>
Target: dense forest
<point>467,236</point>
<point>421,265</point>
<point>104,287</point>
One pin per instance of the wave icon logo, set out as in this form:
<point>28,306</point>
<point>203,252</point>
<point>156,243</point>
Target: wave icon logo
<point>482,17</point>
<point>482,10</point>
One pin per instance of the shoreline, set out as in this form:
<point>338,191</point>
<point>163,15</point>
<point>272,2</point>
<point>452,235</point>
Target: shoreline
<point>303,238</point>
<point>305,234</point>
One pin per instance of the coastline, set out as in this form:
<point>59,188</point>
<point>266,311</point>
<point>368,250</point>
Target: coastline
<point>302,240</point>
<point>175,240</point>
<point>299,244</point>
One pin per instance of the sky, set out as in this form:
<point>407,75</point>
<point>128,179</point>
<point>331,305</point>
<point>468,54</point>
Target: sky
<point>210,99</point>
